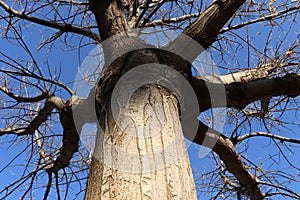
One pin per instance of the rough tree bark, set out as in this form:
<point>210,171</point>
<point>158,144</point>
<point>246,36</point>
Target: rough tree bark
<point>146,158</point>
<point>152,172</point>
<point>155,166</point>
<point>173,180</point>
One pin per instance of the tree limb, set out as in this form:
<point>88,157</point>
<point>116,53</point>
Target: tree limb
<point>70,131</point>
<point>51,103</point>
<point>110,17</point>
<point>51,24</point>
<point>269,135</point>
<point>42,153</point>
<point>240,94</point>
<point>70,141</point>
<point>289,193</point>
<point>248,75</point>
<point>206,28</point>
<point>78,107</point>
<point>20,99</point>
<point>263,18</point>
<point>224,147</point>
<point>163,21</point>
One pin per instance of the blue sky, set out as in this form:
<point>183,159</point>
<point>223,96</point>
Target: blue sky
<point>67,64</point>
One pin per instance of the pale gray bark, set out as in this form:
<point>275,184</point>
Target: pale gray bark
<point>146,158</point>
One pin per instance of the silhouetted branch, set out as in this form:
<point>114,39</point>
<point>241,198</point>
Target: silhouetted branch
<point>224,147</point>
<point>268,135</point>
<point>263,18</point>
<point>60,26</point>
<point>21,99</point>
<point>240,94</point>
<point>51,103</point>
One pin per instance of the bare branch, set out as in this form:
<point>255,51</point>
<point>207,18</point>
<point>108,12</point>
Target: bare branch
<point>70,134</point>
<point>20,99</point>
<point>25,74</point>
<point>262,71</point>
<point>206,28</point>
<point>224,147</point>
<point>290,192</point>
<point>110,17</point>
<point>51,103</point>
<point>261,19</point>
<point>48,186</point>
<point>79,3</point>
<point>70,131</point>
<point>162,21</point>
<point>240,94</point>
<point>42,153</point>
<point>62,27</point>
<point>269,135</point>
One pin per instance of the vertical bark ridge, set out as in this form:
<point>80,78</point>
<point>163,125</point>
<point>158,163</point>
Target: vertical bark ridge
<point>155,163</point>
<point>110,17</point>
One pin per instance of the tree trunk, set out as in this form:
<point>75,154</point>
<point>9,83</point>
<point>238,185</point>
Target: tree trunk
<point>142,153</point>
